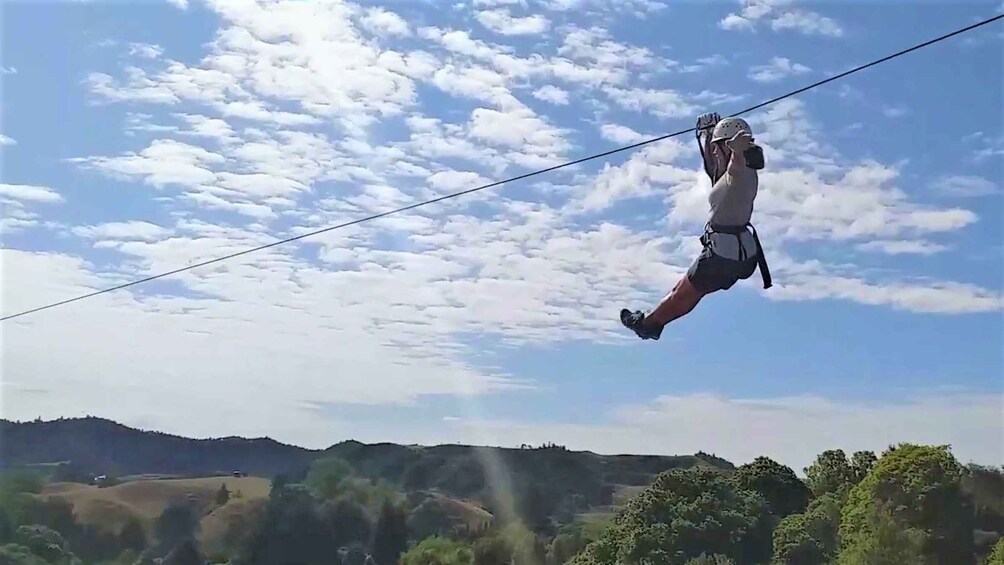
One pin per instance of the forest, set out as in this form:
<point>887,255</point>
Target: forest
<point>911,504</point>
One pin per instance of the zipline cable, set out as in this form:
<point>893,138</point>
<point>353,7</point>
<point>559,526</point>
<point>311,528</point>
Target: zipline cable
<point>497,183</point>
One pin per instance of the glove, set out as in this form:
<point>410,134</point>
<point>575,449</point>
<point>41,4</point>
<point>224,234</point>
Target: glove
<point>754,157</point>
<point>708,121</point>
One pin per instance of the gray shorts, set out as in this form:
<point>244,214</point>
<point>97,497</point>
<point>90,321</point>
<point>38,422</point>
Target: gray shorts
<point>711,272</point>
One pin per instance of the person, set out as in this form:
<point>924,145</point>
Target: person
<point>731,249</point>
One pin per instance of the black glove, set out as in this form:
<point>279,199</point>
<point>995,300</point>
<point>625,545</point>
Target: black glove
<point>754,157</point>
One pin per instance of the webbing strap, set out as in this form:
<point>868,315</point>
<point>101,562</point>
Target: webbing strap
<point>737,231</point>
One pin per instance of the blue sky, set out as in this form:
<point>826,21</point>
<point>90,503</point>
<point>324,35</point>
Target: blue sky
<point>140,138</point>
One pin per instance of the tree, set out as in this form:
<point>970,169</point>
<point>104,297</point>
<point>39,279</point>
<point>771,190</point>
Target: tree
<point>437,550</point>
<point>912,492</point>
<point>329,476</point>
<point>176,524</point>
<point>492,550</point>
<point>390,536</point>
<point>809,538</point>
<point>293,529</point>
<point>565,546</point>
<point>185,553</point>
<point>14,554</point>
<point>222,495</point>
<point>861,463</point>
<point>132,536</point>
<point>348,521</point>
<point>890,543</point>
<point>683,514</point>
<point>784,492</point>
<point>714,559</point>
<point>830,473</point>
<point>996,556</point>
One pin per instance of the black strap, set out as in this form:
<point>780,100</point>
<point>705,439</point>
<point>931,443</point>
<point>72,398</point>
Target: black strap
<point>737,231</point>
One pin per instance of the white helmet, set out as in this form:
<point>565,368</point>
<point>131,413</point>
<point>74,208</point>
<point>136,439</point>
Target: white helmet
<point>727,128</point>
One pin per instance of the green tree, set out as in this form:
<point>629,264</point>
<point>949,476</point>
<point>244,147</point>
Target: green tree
<point>565,546</point>
<point>222,495</point>
<point>714,559</point>
<point>185,553</point>
<point>890,542</point>
<point>329,476</point>
<point>830,473</point>
<point>492,550</point>
<point>996,556</point>
<point>390,536</point>
<point>861,463</point>
<point>809,538</point>
<point>439,551</point>
<point>913,491</point>
<point>784,492</point>
<point>348,520</point>
<point>683,514</point>
<point>132,536</point>
<point>176,524</point>
<point>14,554</point>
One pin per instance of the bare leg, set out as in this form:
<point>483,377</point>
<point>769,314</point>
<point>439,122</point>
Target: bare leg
<point>678,303</point>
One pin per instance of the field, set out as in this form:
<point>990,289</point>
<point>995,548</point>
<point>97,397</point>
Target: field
<point>108,508</point>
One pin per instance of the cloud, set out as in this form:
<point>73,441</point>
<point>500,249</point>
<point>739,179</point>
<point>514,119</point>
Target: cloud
<point>662,103</point>
<point>295,117</point>
<point>145,50</point>
<point>782,16</point>
<point>777,69</point>
<point>620,134</point>
<point>504,23</point>
<point>8,70</point>
<point>964,186</point>
<point>132,230</point>
<point>382,22</point>
<point>894,111</point>
<point>163,162</point>
<point>182,4</point>
<point>808,23</point>
<point>4,140</point>
<point>899,247</point>
<point>30,193</point>
<point>552,94</point>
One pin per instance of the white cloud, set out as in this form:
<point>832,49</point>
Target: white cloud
<point>620,134</point>
<point>894,111</point>
<point>132,230</point>
<point>899,247</point>
<point>964,186</point>
<point>8,70</point>
<point>782,16</point>
<point>382,22</point>
<point>453,181</point>
<point>182,4</point>
<point>552,94</point>
<point>163,162</point>
<point>504,23</point>
<point>339,129</point>
<point>145,50</point>
<point>4,140</point>
<point>809,23</point>
<point>662,103</point>
<point>28,192</point>
<point>777,69</point>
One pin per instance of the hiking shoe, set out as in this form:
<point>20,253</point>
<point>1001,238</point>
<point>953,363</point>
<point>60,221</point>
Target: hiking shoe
<point>635,321</point>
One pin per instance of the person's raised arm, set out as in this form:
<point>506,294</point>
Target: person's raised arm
<point>705,125</point>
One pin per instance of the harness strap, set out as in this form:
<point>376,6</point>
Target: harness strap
<point>737,231</point>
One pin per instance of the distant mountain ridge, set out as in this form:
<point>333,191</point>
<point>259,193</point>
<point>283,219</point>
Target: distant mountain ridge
<point>579,479</point>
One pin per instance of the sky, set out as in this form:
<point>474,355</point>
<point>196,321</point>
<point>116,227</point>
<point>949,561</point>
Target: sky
<point>142,137</point>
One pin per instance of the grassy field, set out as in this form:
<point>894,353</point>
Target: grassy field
<point>110,507</point>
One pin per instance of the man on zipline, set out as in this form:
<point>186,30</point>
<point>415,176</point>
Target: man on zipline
<point>732,249</point>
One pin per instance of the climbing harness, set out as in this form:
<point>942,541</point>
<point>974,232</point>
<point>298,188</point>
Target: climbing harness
<point>710,229</point>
